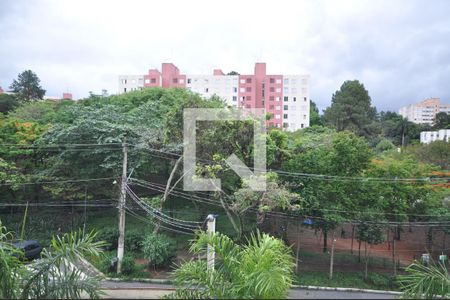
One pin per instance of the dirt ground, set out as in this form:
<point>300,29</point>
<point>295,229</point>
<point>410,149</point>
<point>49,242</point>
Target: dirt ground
<point>412,244</point>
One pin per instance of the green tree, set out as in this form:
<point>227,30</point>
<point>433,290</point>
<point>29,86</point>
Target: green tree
<point>262,269</point>
<point>337,154</point>
<point>441,120</point>
<point>314,117</point>
<point>351,110</point>
<point>27,87</point>
<point>7,103</point>
<point>274,197</point>
<point>370,231</point>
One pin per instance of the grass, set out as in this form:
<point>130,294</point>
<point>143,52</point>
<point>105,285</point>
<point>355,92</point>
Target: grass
<point>374,281</point>
<point>345,259</point>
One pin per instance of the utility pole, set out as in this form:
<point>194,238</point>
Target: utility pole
<point>120,244</point>
<point>211,228</point>
<point>332,257</point>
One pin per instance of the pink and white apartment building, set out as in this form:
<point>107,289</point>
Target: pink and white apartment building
<point>286,97</point>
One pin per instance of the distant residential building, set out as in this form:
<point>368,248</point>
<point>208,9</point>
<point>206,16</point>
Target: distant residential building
<point>427,137</point>
<point>1,90</point>
<point>286,97</point>
<point>425,111</point>
<point>67,96</point>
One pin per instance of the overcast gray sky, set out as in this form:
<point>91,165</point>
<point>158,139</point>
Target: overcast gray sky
<point>400,50</point>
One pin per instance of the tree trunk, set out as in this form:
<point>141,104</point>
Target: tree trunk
<point>398,231</point>
<point>166,193</point>
<point>393,254</point>
<point>332,256</point>
<point>297,255</point>
<point>359,251</point>
<point>325,238</point>
<point>353,237</point>
<point>388,239</point>
<point>430,239</point>
<point>367,261</point>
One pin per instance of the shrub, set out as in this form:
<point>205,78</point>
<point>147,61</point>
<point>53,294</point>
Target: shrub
<point>128,264</point>
<point>110,236</point>
<point>159,249</point>
<point>133,241</point>
<point>108,264</point>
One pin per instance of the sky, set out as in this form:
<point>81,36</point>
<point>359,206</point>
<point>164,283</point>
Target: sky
<point>399,50</point>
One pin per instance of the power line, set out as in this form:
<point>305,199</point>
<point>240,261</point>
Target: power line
<point>160,187</point>
<point>57,181</point>
<point>321,176</point>
<point>160,216</point>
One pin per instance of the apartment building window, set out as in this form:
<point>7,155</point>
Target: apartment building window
<point>304,117</point>
<point>277,107</point>
<point>175,80</point>
<point>278,90</point>
<point>272,80</point>
<point>124,90</point>
<point>206,90</point>
<point>243,98</point>
<point>277,117</point>
<point>248,89</point>
<point>294,81</point>
<point>271,98</point>
<point>248,98</point>
<point>278,99</point>
<point>302,125</point>
<point>285,125</point>
<point>278,81</point>
<point>181,80</point>
<point>153,80</point>
<point>286,81</point>
<point>286,99</point>
<point>285,107</point>
<point>189,80</point>
<point>248,80</point>
<point>272,89</point>
<point>124,81</point>
<point>293,107</point>
<point>304,81</point>
<point>235,90</point>
<point>304,99</point>
<point>133,81</point>
<point>294,99</point>
<point>147,81</point>
<point>286,90</point>
<point>285,116</point>
<point>242,80</point>
<point>234,98</point>
<point>271,107</point>
<point>242,90</point>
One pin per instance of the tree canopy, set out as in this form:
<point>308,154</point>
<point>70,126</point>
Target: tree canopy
<point>27,87</point>
<point>351,109</point>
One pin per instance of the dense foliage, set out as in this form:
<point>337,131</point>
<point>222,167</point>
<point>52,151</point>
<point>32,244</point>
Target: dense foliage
<point>55,275</point>
<point>158,249</point>
<point>261,269</point>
